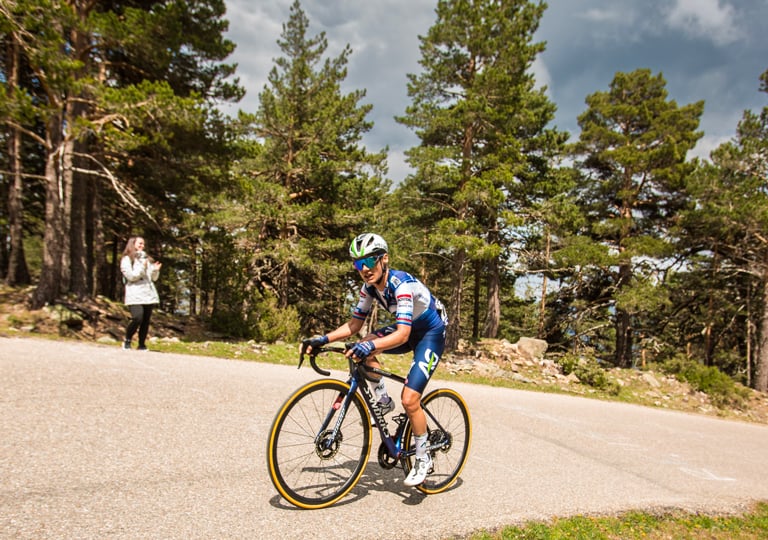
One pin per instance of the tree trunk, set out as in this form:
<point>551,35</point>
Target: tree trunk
<point>623,339</point>
<point>493,315</point>
<point>78,241</point>
<point>543,303</point>
<point>98,260</point>
<point>478,267</point>
<point>4,228</point>
<point>18,272</point>
<point>75,249</point>
<point>453,332</point>
<point>623,324</point>
<point>115,276</point>
<point>65,241</point>
<point>761,364</point>
<point>195,298</point>
<point>50,275</point>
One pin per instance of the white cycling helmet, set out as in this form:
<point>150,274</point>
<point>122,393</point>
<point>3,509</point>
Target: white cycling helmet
<point>366,245</point>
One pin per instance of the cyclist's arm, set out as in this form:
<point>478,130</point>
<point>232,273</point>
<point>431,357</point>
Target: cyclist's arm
<point>345,330</point>
<point>395,339</point>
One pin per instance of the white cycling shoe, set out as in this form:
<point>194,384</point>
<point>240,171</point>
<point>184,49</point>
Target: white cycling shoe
<point>417,475</point>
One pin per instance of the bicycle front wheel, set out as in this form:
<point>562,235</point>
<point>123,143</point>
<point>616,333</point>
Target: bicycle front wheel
<point>311,463</point>
<point>450,433</point>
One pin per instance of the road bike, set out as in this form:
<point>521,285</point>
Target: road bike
<point>320,439</point>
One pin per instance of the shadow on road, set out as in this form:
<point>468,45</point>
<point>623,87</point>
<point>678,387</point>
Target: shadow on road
<point>375,478</point>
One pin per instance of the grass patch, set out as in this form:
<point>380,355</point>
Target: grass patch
<point>752,525</point>
<point>280,353</point>
<point>288,354</point>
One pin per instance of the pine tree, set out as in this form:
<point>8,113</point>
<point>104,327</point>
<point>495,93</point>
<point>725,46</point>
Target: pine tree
<point>313,184</point>
<point>101,74</point>
<point>632,149</point>
<point>727,228</point>
<point>484,155</point>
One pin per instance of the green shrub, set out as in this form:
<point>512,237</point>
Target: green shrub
<point>230,323</point>
<point>567,363</point>
<point>15,322</point>
<point>264,322</point>
<point>721,388</point>
<point>588,371</point>
<point>275,324</point>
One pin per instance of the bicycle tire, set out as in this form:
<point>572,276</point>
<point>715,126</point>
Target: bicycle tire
<point>452,413</point>
<point>306,474</point>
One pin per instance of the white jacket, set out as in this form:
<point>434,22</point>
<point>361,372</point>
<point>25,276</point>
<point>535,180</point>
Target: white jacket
<point>139,286</point>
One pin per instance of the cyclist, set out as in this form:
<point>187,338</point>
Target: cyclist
<point>419,327</point>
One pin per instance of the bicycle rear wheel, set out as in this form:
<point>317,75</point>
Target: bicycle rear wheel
<point>450,430</point>
<point>309,465</point>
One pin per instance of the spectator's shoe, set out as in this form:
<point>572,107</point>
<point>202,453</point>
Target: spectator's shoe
<point>421,468</point>
<point>143,348</point>
<point>385,407</point>
<point>126,345</point>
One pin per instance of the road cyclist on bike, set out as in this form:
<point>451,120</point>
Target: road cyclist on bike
<point>419,328</point>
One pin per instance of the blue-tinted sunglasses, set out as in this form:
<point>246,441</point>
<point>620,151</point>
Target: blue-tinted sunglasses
<point>368,262</point>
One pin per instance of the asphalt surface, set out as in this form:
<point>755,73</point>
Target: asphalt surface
<point>96,442</point>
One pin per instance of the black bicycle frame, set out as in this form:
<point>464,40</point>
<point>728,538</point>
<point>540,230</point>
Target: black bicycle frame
<point>357,377</point>
<point>394,444</point>
<point>357,382</point>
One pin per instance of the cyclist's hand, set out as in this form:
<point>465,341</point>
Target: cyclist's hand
<point>314,343</point>
<point>362,349</point>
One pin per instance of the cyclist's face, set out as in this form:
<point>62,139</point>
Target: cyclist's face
<point>373,274</point>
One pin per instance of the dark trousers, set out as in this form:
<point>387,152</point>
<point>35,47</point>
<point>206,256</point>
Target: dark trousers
<point>140,316</point>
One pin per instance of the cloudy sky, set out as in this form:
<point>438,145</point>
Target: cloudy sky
<point>711,50</point>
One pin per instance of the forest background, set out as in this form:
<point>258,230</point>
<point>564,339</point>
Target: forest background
<point>616,246</point>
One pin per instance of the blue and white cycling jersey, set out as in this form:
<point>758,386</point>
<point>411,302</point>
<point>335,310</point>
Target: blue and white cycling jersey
<point>407,298</point>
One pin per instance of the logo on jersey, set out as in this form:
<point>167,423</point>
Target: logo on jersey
<point>429,363</point>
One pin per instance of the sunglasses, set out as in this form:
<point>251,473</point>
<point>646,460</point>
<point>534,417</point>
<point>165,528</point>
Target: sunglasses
<point>368,262</point>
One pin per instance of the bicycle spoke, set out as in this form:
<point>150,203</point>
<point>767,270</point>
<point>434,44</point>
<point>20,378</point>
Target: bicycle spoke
<point>311,464</point>
<point>449,429</point>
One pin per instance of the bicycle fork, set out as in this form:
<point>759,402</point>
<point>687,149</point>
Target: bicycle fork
<point>327,440</point>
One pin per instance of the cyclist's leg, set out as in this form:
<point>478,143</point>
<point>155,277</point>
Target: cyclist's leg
<point>377,384</point>
<point>427,351</point>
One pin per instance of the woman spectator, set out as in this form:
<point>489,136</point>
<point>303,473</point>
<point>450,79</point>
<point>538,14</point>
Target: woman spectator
<point>139,274</point>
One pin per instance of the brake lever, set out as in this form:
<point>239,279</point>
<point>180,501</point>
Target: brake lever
<point>302,352</point>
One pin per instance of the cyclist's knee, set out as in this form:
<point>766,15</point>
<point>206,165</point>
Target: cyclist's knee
<point>411,400</point>
<point>373,362</point>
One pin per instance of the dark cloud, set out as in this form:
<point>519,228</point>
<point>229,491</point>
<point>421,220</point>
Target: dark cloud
<point>711,50</point>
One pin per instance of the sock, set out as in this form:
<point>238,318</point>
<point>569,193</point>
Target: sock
<point>380,391</point>
<point>421,446</point>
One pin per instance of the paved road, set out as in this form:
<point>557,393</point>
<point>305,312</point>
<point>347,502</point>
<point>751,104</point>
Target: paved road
<point>96,442</point>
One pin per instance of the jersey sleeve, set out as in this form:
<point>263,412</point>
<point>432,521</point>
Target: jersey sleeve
<point>404,295</point>
<point>363,307</point>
